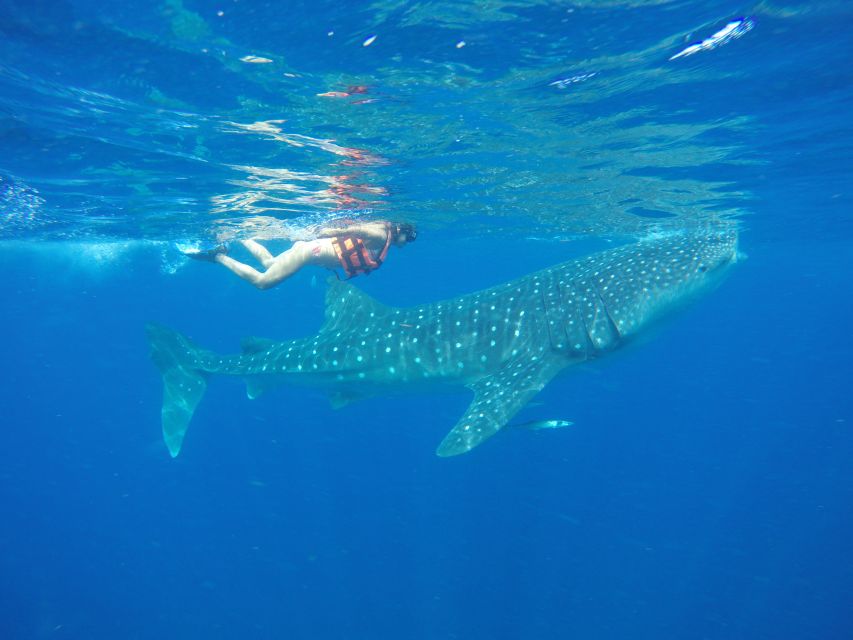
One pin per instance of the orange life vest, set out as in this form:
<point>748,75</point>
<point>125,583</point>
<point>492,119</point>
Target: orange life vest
<point>356,258</point>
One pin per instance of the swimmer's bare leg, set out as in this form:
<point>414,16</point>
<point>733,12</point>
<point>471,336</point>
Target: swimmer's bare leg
<point>249,274</point>
<point>260,252</point>
<point>283,266</point>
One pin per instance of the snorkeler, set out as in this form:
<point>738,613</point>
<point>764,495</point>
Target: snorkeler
<point>357,248</point>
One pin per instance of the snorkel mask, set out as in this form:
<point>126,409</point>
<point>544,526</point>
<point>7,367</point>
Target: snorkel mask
<point>407,229</point>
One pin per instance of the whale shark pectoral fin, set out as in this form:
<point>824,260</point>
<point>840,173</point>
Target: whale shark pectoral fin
<point>340,399</point>
<point>497,398</point>
<point>256,386</point>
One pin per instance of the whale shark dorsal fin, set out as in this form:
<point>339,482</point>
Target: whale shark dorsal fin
<point>252,344</point>
<point>348,306</point>
<point>497,398</point>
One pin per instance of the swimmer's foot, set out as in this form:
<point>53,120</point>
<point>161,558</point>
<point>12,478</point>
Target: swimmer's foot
<point>207,255</point>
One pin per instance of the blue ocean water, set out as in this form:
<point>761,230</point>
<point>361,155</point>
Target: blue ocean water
<point>704,489</point>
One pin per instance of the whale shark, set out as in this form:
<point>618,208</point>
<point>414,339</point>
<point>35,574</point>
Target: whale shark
<point>504,343</point>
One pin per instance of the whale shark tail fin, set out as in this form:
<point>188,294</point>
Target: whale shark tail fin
<point>184,383</point>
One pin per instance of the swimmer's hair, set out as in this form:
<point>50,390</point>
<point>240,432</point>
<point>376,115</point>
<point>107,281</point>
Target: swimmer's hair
<point>406,228</point>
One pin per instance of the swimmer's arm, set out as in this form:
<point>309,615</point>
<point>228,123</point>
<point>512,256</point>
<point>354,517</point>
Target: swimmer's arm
<point>368,230</point>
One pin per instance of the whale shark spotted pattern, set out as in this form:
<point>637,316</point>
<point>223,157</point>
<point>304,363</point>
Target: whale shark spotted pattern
<point>504,343</point>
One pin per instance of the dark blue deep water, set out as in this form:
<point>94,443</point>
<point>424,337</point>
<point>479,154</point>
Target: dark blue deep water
<point>705,488</point>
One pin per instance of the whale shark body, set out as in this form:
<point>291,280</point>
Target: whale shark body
<point>505,343</point>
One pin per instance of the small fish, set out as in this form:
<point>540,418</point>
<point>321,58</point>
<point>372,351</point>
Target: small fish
<point>734,29</point>
<point>539,425</point>
<point>562,83</point>
<point>255,59</point>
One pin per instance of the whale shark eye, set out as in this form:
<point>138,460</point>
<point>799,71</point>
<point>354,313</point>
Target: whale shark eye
<point>703,268</point>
